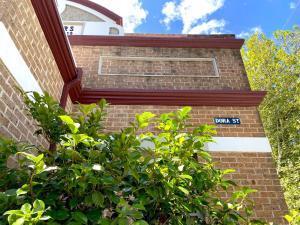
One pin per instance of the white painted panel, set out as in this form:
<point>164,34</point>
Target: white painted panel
<point>101,28</point>
<point>15,63</point>
<point>91,27</point>
<point>240,144</point>
<point>232,144</point>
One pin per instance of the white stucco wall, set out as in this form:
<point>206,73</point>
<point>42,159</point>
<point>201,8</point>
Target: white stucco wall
<point>89,27</point>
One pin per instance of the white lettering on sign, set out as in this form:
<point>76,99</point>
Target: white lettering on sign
<point>230,121</point>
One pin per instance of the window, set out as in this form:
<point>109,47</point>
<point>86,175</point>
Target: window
<point>113,31</point>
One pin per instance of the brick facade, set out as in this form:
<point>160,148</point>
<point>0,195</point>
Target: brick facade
<point>229,62</point>
<point>152,66</point>
<point>20,20</point>
<point>119,117</point>
<point>14,123</point>
<point>256,170</point>
<point>252,169</point>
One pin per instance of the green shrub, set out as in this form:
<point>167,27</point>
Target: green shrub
<point>126,177</point>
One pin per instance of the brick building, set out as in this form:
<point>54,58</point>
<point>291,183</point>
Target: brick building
<point>78,52</point>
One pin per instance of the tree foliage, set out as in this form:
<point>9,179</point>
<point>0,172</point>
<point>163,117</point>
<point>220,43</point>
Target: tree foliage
<point>127,177</point>
<point>273,65</point>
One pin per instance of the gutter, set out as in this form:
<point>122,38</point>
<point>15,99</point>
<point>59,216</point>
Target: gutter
<point>68,86</point>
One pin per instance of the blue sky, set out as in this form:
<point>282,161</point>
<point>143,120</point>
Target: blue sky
<point>240,17</point>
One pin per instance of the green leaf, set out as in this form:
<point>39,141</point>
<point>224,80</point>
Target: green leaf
<point>227,171</point>
<point>185,176</point>
<point>86,109</point>
<point>74,223</point>
<point>140,222</point>
<point>143,119</point>
<point>59,214</point>
<point>19,221</point>
<point>16,212</point>
<point>26,208</point>
<point>70,123</point>
<point>74,155</point>
<point>184,112</point>
<point>23,190</point>
<point>288,218</point>
<point>38,206</point>
<point>122,221</point>
<point>32,157</point>
<point>94,215</point>
<point>10,192</point>
<point>185,191</point>
<point>79,217</point>
<point>139,206</point>
<point>52,223</point>
<point>98,199</point>
<point>104,221</point>
<point>39,167</point>
<point>136,214</point>
<point>204,155</point>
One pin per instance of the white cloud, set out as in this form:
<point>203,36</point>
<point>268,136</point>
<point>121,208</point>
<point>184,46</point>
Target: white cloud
<point>253,30</point>
<point>170,11</point>
<point>210,27</point>
<point>132,12</point>
<point>192,13</point>
<point>293,5</point>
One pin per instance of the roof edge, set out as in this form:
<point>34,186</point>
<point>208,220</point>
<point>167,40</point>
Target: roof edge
<point>157,41</point>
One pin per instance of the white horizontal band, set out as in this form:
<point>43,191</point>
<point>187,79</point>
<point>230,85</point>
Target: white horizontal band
<point>15,63</point>
<point>239,144</point>
<point>231,144</point>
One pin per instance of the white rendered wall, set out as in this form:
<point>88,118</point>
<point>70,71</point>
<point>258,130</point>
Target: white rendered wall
<point>232,144</point>
<point>91,27</point>
<point>15,63</point>
<point>240,144</point>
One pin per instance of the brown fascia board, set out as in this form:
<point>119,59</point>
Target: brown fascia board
<point>172,97</point>
<point>48,16</point>
<point>157,41</point>
<point>51,24</point>
<point>98,8</point>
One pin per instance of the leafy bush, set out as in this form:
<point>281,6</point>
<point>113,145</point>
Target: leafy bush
<point>293,218</point>
<point>127,177</point>
<point>272,65</point>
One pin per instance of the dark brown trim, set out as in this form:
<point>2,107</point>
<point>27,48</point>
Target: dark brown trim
<point>148,41</point>
<point>68,86</point>
<point>51,24</point>
<point>118,19</point>
<point>172,97</point>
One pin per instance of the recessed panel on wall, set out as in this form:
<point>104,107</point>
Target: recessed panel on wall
<point>158,66</point>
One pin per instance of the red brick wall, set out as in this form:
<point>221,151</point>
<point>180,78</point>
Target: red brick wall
<point>14,122</point>
<point>120,116</point>
<point>258,171</point>
<point>230,65</point>
<point>255,170</point>
<point>20,20</point>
